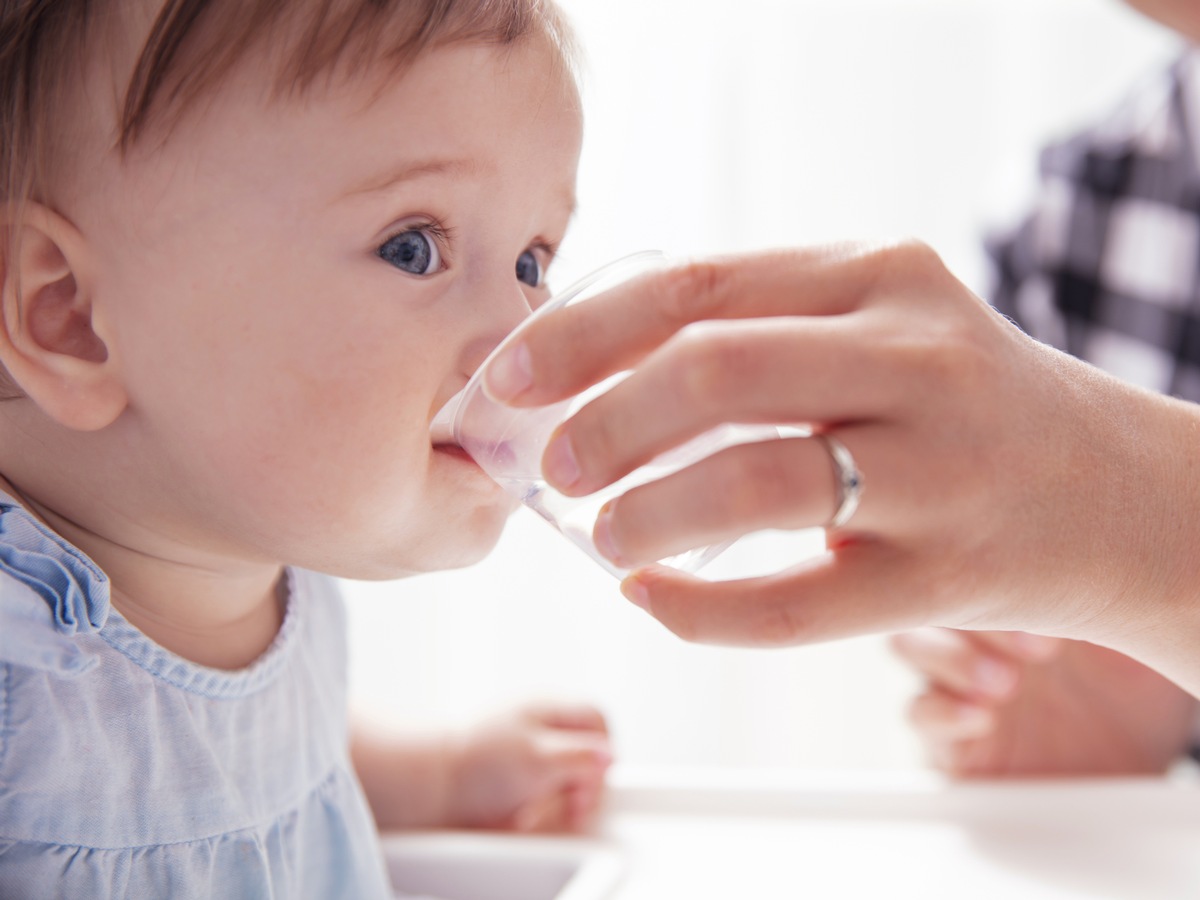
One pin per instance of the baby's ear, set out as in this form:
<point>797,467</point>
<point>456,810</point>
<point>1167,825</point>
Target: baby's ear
<point>51,339</point>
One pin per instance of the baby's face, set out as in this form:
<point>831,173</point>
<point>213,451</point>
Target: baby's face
<point>294,288</point>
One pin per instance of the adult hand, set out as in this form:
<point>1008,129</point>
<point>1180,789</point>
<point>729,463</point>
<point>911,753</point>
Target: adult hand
<point>1007,485</point>
<point>1006,703</point>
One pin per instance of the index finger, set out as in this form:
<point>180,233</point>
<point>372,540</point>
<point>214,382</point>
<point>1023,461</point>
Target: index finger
<point>572,348</point>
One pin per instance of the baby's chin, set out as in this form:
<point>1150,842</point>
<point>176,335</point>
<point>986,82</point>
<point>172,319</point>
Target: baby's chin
<point>449,544</point>
<point>476,539</point>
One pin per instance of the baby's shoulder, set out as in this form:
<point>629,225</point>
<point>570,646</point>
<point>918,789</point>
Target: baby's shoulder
<point>50,593</point>
<point>30,636</point>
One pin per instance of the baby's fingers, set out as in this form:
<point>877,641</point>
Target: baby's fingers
<point>582,802</point>
<point>572,757</point>
<point>570,717</point>
<point>570,781</point>
<point>565,809</point>
<point>545,812</point>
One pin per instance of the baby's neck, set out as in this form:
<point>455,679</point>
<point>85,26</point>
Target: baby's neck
<point>223,617</point>
<point>233,641</point>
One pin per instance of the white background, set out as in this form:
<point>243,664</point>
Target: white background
<point>716,126</point>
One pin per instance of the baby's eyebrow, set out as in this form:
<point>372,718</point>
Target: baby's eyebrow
<point>448,168</point>
<point>411,171</point>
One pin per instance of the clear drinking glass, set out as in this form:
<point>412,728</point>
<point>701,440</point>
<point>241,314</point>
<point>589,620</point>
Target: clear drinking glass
<point>508,442</point>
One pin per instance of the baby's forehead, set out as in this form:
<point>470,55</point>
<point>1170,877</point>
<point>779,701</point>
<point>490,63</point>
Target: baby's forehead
<point>120,72</point>
<point>484,138</point>
<point>304,44</point>
<point>458,114</point>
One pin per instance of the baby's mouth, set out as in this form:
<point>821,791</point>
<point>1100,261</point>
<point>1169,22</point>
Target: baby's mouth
<point>453,450</point>
<point>491,444</point>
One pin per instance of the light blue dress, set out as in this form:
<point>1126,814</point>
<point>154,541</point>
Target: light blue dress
<point>127,771</point>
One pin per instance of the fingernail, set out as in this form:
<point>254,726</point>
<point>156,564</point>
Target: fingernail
<point>509,374</point>
<point>635,592</point>
<point>560,465</point>
<point>994,678</point>
<point>602,535</point>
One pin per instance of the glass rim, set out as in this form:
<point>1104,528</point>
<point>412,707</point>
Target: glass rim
<point>559,300</point>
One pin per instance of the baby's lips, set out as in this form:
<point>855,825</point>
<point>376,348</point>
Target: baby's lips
<point>499,454</point>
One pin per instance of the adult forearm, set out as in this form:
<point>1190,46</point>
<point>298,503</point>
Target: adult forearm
<point>1154,610</point>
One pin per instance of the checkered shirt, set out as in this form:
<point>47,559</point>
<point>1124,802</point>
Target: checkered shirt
<point>1107,265</point>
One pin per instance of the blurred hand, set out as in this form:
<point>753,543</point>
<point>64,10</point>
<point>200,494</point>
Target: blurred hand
<point>537,769</point>
<point>1007,485</point>
<point>999,703</point>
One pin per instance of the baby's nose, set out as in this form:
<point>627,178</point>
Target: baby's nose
<point>499,313</point>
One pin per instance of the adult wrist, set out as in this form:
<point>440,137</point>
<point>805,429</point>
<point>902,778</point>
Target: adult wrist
<point>1155,604</point>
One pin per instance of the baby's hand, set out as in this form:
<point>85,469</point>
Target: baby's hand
<point>535,769</point>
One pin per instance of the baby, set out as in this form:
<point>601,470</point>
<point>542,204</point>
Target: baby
<point>249,249</point>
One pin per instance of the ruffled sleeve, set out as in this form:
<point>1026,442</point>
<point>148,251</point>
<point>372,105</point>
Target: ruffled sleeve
<point>49,593</point>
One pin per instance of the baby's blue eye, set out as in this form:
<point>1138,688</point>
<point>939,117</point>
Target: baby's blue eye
<point>412,251</point>
<point>529,270</point>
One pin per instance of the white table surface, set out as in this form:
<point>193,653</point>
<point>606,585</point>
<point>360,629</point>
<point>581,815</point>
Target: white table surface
<point>720,834</point>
